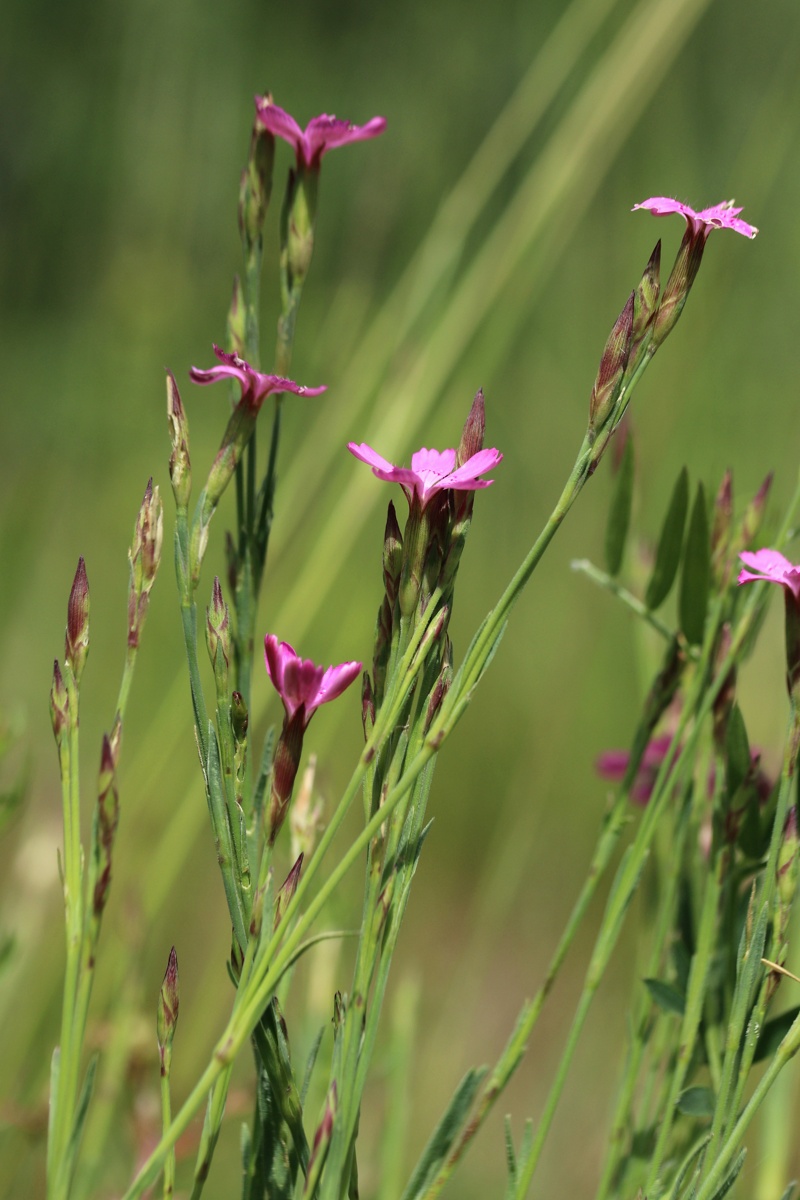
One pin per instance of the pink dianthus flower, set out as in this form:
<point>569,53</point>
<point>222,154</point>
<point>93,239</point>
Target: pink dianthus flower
<point>300,683</point>
<point>322,133</point>
<point>431,471</point>
<point>255,386</point>
<point>720,216</point>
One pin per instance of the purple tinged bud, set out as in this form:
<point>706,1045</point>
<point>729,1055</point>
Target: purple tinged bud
<point>322,1138</point>
<point>339,1012</point>
<point>440,690</point>
<point>392,553</point>
<point>144,557</point>
<point>367,705</point>
<point>167,1014</point>
<point>107,821</point>
<point>474,431</point>
<point>679,284</point>
<point>256,184</point>
<point>77,639</point>
<point>645,298</point>
<point>180,467</point>
<point>611,373</point>
<point>236,319</point>
<point>287,890</point>
<point>59,703</point>
<point>218,629</point>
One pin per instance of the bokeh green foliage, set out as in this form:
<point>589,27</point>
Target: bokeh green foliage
<point>128,127</point>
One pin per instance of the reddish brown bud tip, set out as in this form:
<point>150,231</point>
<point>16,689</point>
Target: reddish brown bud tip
<point>474,431</point>
<point>611,372</point>
<point>168,1007</point>
<point>287,890</point>
<point>77,639</point>
<point>180,469</point>
<point>59,703</point>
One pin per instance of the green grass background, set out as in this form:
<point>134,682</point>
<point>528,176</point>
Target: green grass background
<point>125,130</point>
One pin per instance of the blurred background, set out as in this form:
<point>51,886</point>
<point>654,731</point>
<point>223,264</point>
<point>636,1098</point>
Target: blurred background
<point>485,240</point>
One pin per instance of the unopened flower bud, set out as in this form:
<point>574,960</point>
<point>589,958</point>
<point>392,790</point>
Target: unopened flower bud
<point>167,1014</point>
<point>287,890</point>
<point>474,431</point>
<point>218,629</point>
<point>645,297</point>
<point>144,557</point>
<point>256,184</point>
<point>297,225</point>
<point>367,705</point>
<point>236,319</point>
<point>107,821</point>
<point>679,284</point>
<point>76,646</point>
<point>322,1140</point>
<point>180,467</point>
<point>440,690</point>
<point>611,373</point>
<point>59,703</point>
<point>392,553</point>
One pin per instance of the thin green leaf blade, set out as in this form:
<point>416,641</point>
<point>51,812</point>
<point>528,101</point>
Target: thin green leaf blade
<point>445,1134</point>
<point>774,1032</point>
<point>670,543</point>
<point>619,513</point>
<point>696,573</point>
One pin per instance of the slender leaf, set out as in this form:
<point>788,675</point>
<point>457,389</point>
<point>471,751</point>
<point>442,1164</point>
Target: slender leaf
<point>696,573</point>
<point>80,1115</point>
<point>445,1134</point>
<point>730,1178</point>
<point>310,1062</point>
<point>697,1102</point>
<point>666,996</point>
<point>668,554</point>
<point>774,1032</point>
<point>619,513</point>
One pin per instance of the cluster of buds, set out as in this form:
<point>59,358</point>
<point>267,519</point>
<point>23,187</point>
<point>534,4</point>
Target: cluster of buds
<point>302,687</point>
<point>439,487</point>
<point>144,557</point>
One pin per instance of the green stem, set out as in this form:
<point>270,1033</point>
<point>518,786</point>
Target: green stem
<point>785,1052</point>
<point>642,1018</point>
<point>633,602</point>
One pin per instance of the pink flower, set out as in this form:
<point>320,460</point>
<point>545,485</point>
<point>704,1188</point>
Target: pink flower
<point>301,684</point>
<point>255,386</point>
<point>721,216</point>
<point>613,765</point>
<point>773,567</point>
<point>431,471</point>
<point>322,133</point>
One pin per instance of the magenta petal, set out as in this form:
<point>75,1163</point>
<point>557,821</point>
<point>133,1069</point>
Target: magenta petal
<point>719,216</point>
<point>467,476</point>
<point>612,764</point>
<point>336,680</point>
<point>298,681</point>
<point>369,456</point>
<point>279,122</point>
<point>433,462</point>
